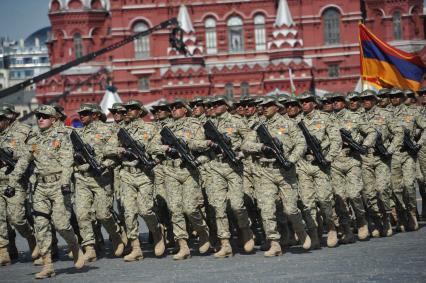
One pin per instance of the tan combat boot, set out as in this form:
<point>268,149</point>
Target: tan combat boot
<point>78,256</point>
<point>4,257</point>
<point>332,236</point>
<point>203,242</point>
<point>47,270</point>
<point>363,232</point>
<point>398,225</point>
<point>248,241</point>
<point>304,239</point>
<point>35,251</point>
<point>315,242</point>
<point>387,227</point>
<point>89,253</point>
<point>117,244</point>
<point>412,220</point>
<point>225,249</point>
<point>348,236</point>
<point>184,251</point>
<point>274,250</point>
<point>159,242</point>
<point>136,253</point>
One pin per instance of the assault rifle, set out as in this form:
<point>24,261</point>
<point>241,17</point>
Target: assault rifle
<point>6,159</point>
<point>137,148</point>
<point>266,138</point>
<point>380,147</point>
<point>348,139</point>
<point>409,145</point>
<point>170,139</point>
<point>224,143</point>
<point>86,151</point>
<point>314,145</point>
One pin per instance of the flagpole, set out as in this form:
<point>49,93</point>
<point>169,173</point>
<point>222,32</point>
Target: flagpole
<point>360,56</point>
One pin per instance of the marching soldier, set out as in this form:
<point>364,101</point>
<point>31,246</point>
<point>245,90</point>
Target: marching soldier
<point>52,155</point>
<point>314,179</point>
<point>12,208</point>
<point>93,192</point>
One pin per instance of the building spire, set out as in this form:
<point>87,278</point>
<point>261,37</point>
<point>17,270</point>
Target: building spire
<point>184,19</point>
<point>283,15</point>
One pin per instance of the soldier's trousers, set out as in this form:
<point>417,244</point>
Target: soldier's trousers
<point>377,184</point>
<point>226,186</point>
<point>403,171</point>
<point>138,199</point>
<point>346,180</point>
<point>12,211</point>
<point>49,201</point>
<point>272,183</point>
<point>184,197</point>
<point>250,197</point>
<point>93,200</point>
<point>315,186</point>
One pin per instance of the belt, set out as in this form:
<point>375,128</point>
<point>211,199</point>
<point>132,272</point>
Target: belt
<point>132,169</point>
<point>49,178</point>
<point>172,162</point>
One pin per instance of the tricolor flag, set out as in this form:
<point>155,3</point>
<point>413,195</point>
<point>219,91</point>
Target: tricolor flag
<point>385,66</point>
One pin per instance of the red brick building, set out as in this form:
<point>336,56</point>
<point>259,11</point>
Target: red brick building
<point>238,47</point>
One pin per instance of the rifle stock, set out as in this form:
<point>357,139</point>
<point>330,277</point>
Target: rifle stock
<point>266,138</point>
<point>86,151</point>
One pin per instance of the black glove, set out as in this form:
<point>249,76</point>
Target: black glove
<point>267,149</point>
<point>66,190</point>
<point>128,153</point>
<point>172,152</point>
<point>79,158</point>
<point>214,146</point>
<point>9,192</point>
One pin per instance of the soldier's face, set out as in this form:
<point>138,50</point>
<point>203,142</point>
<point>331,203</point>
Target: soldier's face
<point>210,111</point>
<point>118,116</point>
<point>220,108</point>
<point>250,110</point>
<point>179,111</point>
<point>45,121</point>
<point>368,103</point>
<point>198,110</point>
<point>241,110</point>
<point>339,104</point>
<point>269,110</point>
<point>308,106</point>
<point>293,109</point>
<point>132,113</point>
<point>383,102</point>
<point>396,100</point>
<point>86,117</point>
<point>422,98</point>
<point>327,106</point>
<point>409,101</point>
<point>353,104</point>
<point>163,114</point>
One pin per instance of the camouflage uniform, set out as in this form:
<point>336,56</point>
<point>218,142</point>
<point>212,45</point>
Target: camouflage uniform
<point>314,181</point>
<point>94,193</point>
<point>346,175</point>
<point>12,210</point>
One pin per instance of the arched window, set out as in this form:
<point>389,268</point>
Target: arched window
<point>259,32</point>
<point>331,22</point>
<point>244,89</point>
<point>78,45</point>
<point>211,42</point>
<point>142,43</point>
<point>396,22</point>
<point>229,90</point>
<point>235,34</point>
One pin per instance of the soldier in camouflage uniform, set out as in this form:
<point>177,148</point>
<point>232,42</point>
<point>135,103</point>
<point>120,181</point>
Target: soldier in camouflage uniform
<point>421,156</point>
<point>327,103</point>
<point>354,102</point>
<point>52,155</point>
<point>275,182</point>
<point>314,181</point>
<point>403,166</point>
<point>376,168</point>
<point>346,173</point>
<point>94,193</point>
<point>138,184</point>
<point>12,209</point>
<point>293,109</point>
<point>227,181</point>
<point>182,183</point>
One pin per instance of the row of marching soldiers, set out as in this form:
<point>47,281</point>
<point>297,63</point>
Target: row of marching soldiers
<point>339,163</point>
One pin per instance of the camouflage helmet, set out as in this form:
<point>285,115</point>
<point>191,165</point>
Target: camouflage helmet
<point>181,102</point>
<point>4,112</point>
<point>259,99</point>
<point>327,97</point>
<point>87,107</point>
<point>271,100</point>
<point>59,110</point>
<point>368,93</point>
<point>47,110</point>
<point>282,98</point>
<point>117,107</point>
<point>9,107</point>
<point>409,93</point>
<point>422,91</point>
<point>339,95</point>
<point>383,92</point>
<point>351,95</point>
<point>162,105</point>
<point>396,92</point>
<point>222,99</point>
<point>246,100</point>
<point>196,101</point>
<point>308,95</point>
<point>135,103</point>
<point>292,100</point>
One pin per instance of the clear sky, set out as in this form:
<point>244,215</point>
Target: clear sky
<point>20,18</point>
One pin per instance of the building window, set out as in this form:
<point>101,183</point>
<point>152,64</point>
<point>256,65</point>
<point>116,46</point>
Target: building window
<point>29,73</point>
<point>144,83</point>
<point>331,23</point>
<point>333,71</point>
<point>142,43</point>
<point>229,90</point>
<point>259,32</point>
<point>244,89</point>
<point>235,34</point>
<point>396,22</point>
<point>78,46</point>
<point>211,41</point>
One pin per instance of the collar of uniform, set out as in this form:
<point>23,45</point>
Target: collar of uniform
<point>273,119</point>
<point>47,131</point>
<point>342,113</point>
<point>310,115</point>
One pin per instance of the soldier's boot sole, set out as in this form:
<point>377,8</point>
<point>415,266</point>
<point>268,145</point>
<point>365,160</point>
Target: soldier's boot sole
<point>225,250</point>
<point>134,256</point>
<point>204,242</point>
<point>248,240</point>
<point>275,250</point>
<point>45,273</point>
<point>375,233</point>
<point>184,252</point>
<point>332,238</point>
<point>159,242</point>
<point>363,232</point>
<point>90,254</point>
